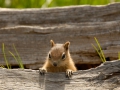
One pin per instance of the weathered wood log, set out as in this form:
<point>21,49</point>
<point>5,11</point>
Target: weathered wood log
<point>104,77</point>
<point>32,29</point>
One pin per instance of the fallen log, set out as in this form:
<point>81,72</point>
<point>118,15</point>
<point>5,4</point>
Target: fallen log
<point>32,29</point>
<point>104,77</point>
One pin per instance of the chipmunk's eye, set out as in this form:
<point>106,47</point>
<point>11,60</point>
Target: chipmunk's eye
<point>49,56</point>
<point>63,56</point>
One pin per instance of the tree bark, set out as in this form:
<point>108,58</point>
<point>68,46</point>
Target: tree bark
<point>32,29</point>
<point>104,77</point>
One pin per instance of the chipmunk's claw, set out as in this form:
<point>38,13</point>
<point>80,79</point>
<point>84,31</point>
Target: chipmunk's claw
<point>42,71</point>
<point>69,73</point>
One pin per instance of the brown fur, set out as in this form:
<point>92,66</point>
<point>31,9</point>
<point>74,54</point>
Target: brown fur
<point>55,56</point>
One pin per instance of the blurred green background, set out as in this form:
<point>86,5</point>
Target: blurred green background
<point>50,3</point>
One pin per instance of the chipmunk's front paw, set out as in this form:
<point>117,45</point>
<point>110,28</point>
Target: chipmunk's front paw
<point>42,71</point>
<point>69,73</point>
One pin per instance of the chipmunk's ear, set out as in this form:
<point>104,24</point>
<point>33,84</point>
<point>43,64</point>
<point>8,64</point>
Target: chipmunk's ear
<point>52,43</point>
<point>66,45</point>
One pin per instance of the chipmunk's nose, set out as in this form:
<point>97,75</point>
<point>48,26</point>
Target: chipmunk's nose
<point>55,64</point>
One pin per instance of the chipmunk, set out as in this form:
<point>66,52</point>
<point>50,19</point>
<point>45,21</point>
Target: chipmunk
<point>59,60</point>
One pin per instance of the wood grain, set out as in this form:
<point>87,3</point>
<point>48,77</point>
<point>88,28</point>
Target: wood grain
<point>32,29</point>
<point>104,77</point>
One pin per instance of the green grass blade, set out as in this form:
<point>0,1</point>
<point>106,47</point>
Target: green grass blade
<point>5,58</point>
<point>100,49</point>
<point>119,55</point>
<point>15,58</point>
<point>19,59</point>
<point>98,52</point>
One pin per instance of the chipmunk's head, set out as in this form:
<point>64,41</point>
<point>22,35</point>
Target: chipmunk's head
<point>58,54</point>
